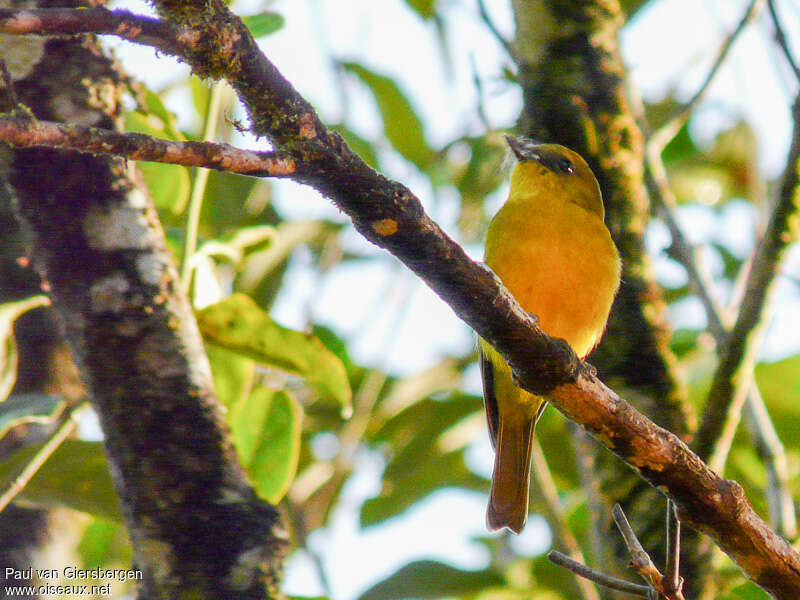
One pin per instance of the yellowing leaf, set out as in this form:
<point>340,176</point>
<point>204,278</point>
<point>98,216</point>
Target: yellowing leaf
<point>239,324</point>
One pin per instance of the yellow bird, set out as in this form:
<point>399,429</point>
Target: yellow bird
<point>549,246</point>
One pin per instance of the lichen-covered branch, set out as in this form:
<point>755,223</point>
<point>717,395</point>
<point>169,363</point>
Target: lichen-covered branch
<point>389,215</point>
<point>196,526</point>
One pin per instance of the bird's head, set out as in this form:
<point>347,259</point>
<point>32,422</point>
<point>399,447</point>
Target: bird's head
<point>555,170</point>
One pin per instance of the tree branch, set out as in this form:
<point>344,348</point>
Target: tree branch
<point>390,216</point>
<point>69,21</point>
<point>25,131</point>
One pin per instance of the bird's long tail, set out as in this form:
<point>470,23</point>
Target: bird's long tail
<point>508,499</point>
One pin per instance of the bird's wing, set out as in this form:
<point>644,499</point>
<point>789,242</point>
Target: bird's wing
<point>489,398</point>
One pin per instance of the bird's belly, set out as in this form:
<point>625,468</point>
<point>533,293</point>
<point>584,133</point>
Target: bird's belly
<point>568,284</point>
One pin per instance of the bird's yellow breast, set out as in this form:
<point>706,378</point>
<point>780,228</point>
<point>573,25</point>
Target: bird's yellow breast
<point>559,262</point>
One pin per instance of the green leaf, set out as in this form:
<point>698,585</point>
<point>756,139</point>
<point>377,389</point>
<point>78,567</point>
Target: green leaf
<point>779,383</point>
<point>430,579</point>
<point>746,591</point>
<point>424,8</point>
<point>9,312</point>
<point>264,23</point>
<point>402,126</point>
<point>413,482</point>
<point>76,476</point>
<point>477,177</point>
<point>266,432</point>
<point>28,408</point>
<point>239,324</point>
<point>226,205</point>
<point>169,185</point>
<point>233,375</point>
<point>104,543</point>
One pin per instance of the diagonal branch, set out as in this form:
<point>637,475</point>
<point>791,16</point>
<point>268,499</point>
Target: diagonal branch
<point>734,374</point>
<point>390,216</point>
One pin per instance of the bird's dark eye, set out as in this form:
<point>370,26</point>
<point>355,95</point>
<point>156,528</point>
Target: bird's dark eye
<point>565,165</point>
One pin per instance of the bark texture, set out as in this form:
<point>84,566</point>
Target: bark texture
<point>197,528</point>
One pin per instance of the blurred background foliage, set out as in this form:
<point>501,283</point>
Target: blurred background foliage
<point>352,396</point>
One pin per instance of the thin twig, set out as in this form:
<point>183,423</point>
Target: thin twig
<point>780,37</point>
<point>68,21</point>
<point>198,189</point>
<point>613,583</point>
<point>640,559</point>
<point>769,447</point>
<point>509,48</point>
<point>66,428</point>
<point>476,79</point>
<point>672,579</point>
<point>666,132</point>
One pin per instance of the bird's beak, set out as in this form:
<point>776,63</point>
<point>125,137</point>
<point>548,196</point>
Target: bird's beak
<point>523,149</point>
<point>516,146</point>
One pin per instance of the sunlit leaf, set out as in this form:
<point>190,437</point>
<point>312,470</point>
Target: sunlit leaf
<point>264,24</point>
<point>266,431</point>
<point>779,383</point>
<point>401,124</point>
<point>9,312</point>
<point>430,579</point>
<point>75,476</point>
<point>233,374</point>
<point>239,324</point>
